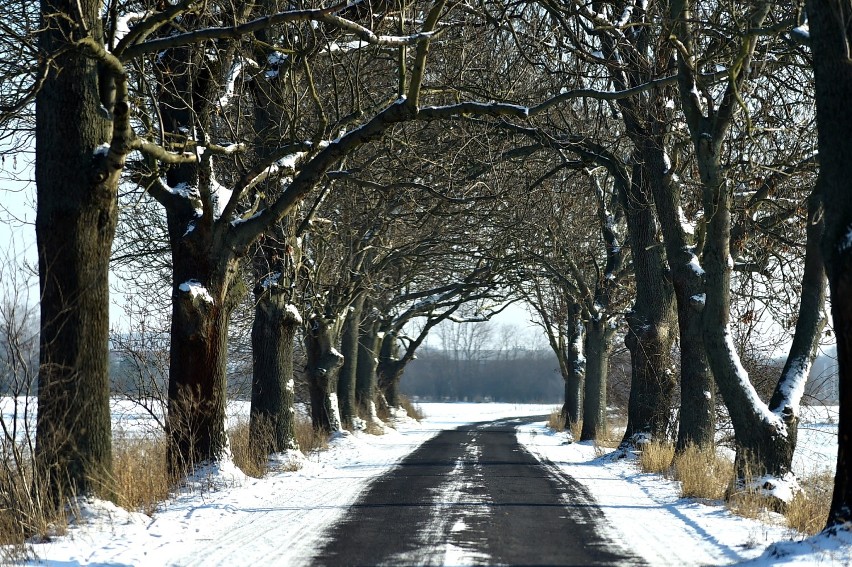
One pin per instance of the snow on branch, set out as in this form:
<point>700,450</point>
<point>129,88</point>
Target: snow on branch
<point>367,35</point>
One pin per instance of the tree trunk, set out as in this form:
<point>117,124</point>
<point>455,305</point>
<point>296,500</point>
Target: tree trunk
<point>347,381</point>
<point>323,366</point>
<point>389,370</point>
<point>598,344</point>
<point>202,302</point>
<point>764,442</point>
<point>365,380</point>
<point>833,78</point>
<point>75,226</point>
<point>574,372</point>
<point>649,335</point>
<point>272,422</point>
<point>697,422</point>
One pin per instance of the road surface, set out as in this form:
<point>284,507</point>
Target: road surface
<point>473,495</point>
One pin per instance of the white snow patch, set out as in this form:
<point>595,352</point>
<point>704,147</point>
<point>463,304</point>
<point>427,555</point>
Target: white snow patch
<point>757,404</point>
<point>783,489</point>
<point>694,264</point>
<point>195,289</point>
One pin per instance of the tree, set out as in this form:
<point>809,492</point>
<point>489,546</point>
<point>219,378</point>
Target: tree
<point>830,41</point>
<point>765,433</point>
<point>77,170</point>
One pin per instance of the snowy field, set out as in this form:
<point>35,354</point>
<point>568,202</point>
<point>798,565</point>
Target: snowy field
<point>225,518</point>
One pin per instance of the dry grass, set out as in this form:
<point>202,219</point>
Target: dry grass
<point>413,410</point>
<point>702,473</point>
<point>251,460</point>
<point>140,473</point>
<point>308,438</point>
<point>555,420</point>
<point>656,457</point>
<point>808,510</point>
<point>748,503</point>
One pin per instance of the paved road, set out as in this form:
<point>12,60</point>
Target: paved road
<point>473,495</point>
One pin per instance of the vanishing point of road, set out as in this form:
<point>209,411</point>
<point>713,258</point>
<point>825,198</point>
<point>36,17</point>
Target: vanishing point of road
<point>473,495</point>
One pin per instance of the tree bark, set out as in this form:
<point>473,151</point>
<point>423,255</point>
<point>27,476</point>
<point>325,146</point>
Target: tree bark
<point>323,366</point>
<point>202,302</point>
<point>830,39</point>
<point>697,422</point>
<point>272,420</point>
<point>597,348</point>
<point>347,381</point>
<point>649,335</point>
<point>75,226</point>
<point>573,370</point>
<point>390,369</point>
<point>366,379</point>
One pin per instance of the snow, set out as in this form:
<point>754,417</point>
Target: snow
<point>195,289</point>
<point>694,264</point>
<point>685,531</point>
<point>747,387</point>
<point>294,312</point>
<point>225,518</point>
<point>793,385</point>
<point>231,83</point>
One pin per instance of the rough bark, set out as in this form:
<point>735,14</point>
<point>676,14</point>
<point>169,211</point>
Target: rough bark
<point>697,416</point>
<point>347,381</point>
<point>75,225</point>
<point>389,371</point>
<point>830,40</point>
<point>649,335</point>
<point>202,302</point>
<point>272,420</point>
<point>366,379</point>
<point>573,369</point>
<point>322,368</point>
<point>597,347</point>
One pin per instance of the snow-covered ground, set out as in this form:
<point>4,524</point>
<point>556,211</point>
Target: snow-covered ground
<point>225,518</point>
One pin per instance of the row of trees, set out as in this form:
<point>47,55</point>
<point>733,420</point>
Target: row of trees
<point>357,166</point>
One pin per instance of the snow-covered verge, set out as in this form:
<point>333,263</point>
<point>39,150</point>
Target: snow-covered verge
<point>245,521</point>
<point>645,512</point>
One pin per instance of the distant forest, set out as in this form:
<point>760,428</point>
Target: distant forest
<point>500,376</point>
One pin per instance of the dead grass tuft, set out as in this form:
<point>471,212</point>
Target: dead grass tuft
<point>308,438</point>
<point>141,477</point>
<point>413,410</point>
<point>252,460</point>
<point>656,457</point>
<point>555,420</point>
<point>808,510</point>
<point>702,473</point>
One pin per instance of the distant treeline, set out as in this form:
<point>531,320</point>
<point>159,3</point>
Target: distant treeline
<point>500,376</point>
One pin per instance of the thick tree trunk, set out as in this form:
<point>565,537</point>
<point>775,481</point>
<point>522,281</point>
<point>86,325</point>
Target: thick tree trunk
<point>272,421</point>
<point>573,370</point>
<point>390,375</point>
<point>650,334</point>
<point>201,309</point>
<point>833,77</point>
<point>765,441</point>
<point>347,381</point>
<point>75,225</point>
<point>598,344</point>
<point>323,366</point>
<point>697,422</point>
<point>389,370</point>
<point>366,378</point>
